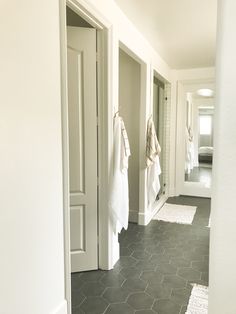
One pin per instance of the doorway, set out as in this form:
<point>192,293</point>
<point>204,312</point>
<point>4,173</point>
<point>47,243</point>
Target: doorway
<point>74,121</point>
<point>159,122</point>
<point>129,110</point>
<point>83,157</point>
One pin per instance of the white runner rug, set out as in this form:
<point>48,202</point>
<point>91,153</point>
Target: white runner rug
<point>180,214</point>
<point>198,302</point>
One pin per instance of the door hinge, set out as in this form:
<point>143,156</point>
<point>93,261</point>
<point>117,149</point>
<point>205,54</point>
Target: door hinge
<point>97,181</point>
<point>97,121</point>
<point>97,56</point>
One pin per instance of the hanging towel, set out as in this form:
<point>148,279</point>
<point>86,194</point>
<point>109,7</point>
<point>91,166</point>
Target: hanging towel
<point>189,150</point>
<point>119,196</point>
<point>153,150</point>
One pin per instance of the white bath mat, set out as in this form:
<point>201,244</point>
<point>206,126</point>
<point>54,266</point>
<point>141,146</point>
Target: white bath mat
<point>180,214</point>
<point>198,302</point>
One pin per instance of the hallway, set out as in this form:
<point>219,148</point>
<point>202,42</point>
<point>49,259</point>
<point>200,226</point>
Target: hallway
<point>158,264</point>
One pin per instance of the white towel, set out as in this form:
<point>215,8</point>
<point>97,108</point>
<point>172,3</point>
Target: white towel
<point>119,196</point>
<point>189,151</point>
<point>153,150</point>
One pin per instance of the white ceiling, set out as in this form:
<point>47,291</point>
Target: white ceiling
<point>183,32</point>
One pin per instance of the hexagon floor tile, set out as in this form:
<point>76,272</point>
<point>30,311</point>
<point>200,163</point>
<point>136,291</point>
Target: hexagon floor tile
<point>158,265</point>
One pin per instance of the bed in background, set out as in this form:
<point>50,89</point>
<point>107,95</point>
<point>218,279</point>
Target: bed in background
<point>205,154</point>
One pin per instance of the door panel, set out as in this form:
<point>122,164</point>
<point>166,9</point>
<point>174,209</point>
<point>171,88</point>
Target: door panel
<point>82,147</point>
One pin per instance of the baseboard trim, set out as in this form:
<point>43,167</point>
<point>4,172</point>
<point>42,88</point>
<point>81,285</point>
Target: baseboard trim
<point>61,309</point>
<point>145,218</point>
<point>133,216</point>
<point>172,192</point>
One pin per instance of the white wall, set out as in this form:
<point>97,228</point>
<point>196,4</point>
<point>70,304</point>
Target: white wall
<point>31,222</point>
<point>129,101</point>
<point>223,231</point>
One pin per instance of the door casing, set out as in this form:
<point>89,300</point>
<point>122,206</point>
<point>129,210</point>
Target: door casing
<point>104,116</point>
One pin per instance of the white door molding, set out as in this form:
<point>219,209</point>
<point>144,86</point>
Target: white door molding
<point>106,47</point>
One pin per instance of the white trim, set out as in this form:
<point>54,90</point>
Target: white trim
<point>105,97</point>
<point>145,108</point>
<point>88,13</point>
<point>145,218</point>
<point>144,115</point>
<point>65,155</point>
<point>105,114</point>
<point>172,192</point>
<point>61,309</point>
<point>182,187</point>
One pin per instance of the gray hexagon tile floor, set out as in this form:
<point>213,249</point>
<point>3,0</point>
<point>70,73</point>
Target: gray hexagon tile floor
<point>154,274</point>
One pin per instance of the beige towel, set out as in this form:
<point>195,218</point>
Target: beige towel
<point>153,148</point>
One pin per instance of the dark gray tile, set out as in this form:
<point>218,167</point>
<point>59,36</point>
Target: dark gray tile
<point>137,246</point>
<point>92,275</point>
<point>116,294</point>
<point>166,306</point>
<point>119,308</point>
<point>155,250</point>
<point>135,284</point>
<point>140,301</point>
<point>130,272</point>
<point>174,252</point>
<point>158,253</point>
<point>112,279</point>
<point>140,255</point>
<point>174,281</point>
<point>94,305</point>
<point>205,277</point>
<point>124,251</point>
<point>77,310</point>
<point>77,297</point>
<point>165,244</point>
<point>183,309</point>
<point>189,274</point>
<point>76,282</point>
<point>126,261</point>
<point>166,269</point>
<point>200,265</point>
<point>179,262</point>
<point>152,277</point>
<point>193,256</point>
<point>90,289</point>
<point>180,296</point>
<point>159,291</point>
<point>159,258</point>
<point>144,312</point>
<point>146,265</point>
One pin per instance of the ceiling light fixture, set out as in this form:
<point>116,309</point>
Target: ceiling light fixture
<point>205,92</point>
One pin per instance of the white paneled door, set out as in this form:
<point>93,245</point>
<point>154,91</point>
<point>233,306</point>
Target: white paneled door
<point>82,147</point>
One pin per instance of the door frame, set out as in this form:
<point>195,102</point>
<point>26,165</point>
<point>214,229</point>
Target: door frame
<point>105,47</point>
<point>183,187</point>
<point>153,210</point>
<point>141,216</point>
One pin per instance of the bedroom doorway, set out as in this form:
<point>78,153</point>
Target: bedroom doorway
<point>195,139</point>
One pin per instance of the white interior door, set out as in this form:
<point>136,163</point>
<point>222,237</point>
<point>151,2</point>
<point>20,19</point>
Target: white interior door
<point>82,147</point>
